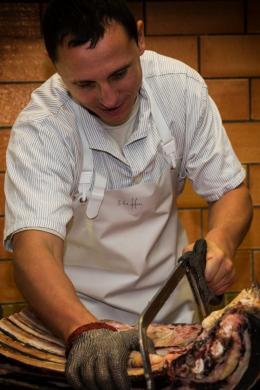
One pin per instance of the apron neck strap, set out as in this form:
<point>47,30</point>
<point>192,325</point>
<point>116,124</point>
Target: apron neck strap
<point>168,142</point>
<point>87,159</point>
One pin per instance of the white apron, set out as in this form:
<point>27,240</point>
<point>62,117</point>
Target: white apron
<point>122,244</point>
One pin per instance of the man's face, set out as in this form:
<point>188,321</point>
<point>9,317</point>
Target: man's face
<point>105,79</point>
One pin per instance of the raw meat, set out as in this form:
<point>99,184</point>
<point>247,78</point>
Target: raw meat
<point>226,355</point>
<point>221,353</point>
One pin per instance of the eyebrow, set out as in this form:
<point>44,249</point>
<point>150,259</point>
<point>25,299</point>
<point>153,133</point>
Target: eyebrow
<point>78,82</point>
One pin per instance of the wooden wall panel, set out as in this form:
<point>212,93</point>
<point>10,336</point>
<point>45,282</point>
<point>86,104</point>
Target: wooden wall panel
<point>191,219</point>
<point>231,97</point>
<point>242,264</point>
<point>230,56</point>
<point>255,99</point>
<point>8,290</point>
<point>3,253</point>
<point>4,138</point>
<point>189,198</point>
<point>219,38</point>
<point>253,16</point>
<point>257,266</point>
<point>245,140</point>
<point>13,98</point>
<point>254,180</point>
<point>24,60</point>
<point>182,48</point>
<point>19,20</point>
<point>2,206</point>
<point>194,17</point>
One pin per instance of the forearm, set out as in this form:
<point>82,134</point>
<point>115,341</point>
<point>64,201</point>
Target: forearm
<point>229,219</point>
<point>40,276</point>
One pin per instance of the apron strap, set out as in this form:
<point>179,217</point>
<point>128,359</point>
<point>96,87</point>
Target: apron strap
<point>87,163</point>
<point>96,195</point>
<point>168,141</point>
<point>84,185</point>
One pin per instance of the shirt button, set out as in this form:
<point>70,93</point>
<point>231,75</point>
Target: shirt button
<point>138,178</point>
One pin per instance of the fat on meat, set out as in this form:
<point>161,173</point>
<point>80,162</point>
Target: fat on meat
<point>221,353</point>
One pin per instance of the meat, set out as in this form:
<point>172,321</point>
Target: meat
<point>218,358</point>
<point>226,355</point>
<point>170,341</point>
<point>221,353</point>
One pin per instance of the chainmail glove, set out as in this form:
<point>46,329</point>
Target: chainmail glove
<point>97,358</point>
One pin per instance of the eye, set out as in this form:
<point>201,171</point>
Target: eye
<point>87,85</point>
<point>120,74</point>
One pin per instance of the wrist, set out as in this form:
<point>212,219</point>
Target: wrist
<point>222,241</point>
<point>86,328</point>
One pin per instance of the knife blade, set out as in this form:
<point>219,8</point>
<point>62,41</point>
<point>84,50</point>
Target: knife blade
<point>149,314</point>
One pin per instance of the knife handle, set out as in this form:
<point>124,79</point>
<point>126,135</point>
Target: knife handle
<point>197,264</point>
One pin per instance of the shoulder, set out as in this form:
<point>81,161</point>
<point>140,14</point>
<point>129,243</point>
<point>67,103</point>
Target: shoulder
<point>52,107</point>
<point>46,100</point>
<point>162,71</point>
<point>178,89</point>
<point>46,131</point>
<point>49,113</point>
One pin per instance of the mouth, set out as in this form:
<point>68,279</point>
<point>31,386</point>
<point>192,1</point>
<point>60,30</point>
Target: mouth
<point>117,114</point>
<point>112,109</point>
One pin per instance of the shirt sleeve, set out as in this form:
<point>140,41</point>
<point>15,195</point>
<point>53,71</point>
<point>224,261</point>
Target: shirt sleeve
<point>38,182</point>
<point>210,161</point>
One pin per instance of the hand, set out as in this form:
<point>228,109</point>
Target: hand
<point>219,272</point>
<point>98,359</point>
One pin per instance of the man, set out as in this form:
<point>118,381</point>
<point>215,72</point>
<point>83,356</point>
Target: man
<point>94,166</point>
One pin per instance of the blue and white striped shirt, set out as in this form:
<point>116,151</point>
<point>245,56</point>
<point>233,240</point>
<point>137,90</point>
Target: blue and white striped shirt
<point>44,157</point>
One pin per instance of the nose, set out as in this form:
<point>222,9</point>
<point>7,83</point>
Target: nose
<point>108,95</point>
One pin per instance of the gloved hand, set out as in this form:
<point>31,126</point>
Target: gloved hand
<point>97,359</point>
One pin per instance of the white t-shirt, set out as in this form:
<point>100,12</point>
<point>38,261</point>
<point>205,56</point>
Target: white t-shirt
<point>121,133</point>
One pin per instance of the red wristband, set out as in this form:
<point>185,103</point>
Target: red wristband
<point>86,328</point>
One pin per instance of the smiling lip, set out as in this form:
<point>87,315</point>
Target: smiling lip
<point>112,109</point>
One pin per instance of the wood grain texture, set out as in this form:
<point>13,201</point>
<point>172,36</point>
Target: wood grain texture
<point>24,59</point>
<point>231,97</point>
<point>230,56</point>
<point>4,138</point>
<point>219,38</point>
<point>13,98</point>
<point>255,90</point>
<point>182,48</point>
<point>194,17</point>
<point>20,20</point>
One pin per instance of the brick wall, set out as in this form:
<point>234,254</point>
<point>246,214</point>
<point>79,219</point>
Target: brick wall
<point>221,39</point>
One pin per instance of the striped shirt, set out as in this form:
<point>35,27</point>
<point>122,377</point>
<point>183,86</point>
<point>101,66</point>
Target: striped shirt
<point>44,156</point>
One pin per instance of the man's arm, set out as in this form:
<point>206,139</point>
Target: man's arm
<point>229,220</point>
<point>39,274</point>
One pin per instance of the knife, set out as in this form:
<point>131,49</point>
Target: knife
<point>192,264</point>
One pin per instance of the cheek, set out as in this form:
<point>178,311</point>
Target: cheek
<point>133,84</point>
<point>85,98</point>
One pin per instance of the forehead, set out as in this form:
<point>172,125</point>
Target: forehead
<point>113,51</point>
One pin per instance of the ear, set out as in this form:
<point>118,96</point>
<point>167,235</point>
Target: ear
<point>141,40</point>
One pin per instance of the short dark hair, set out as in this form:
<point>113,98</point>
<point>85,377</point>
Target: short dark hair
<point>84,20</point>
